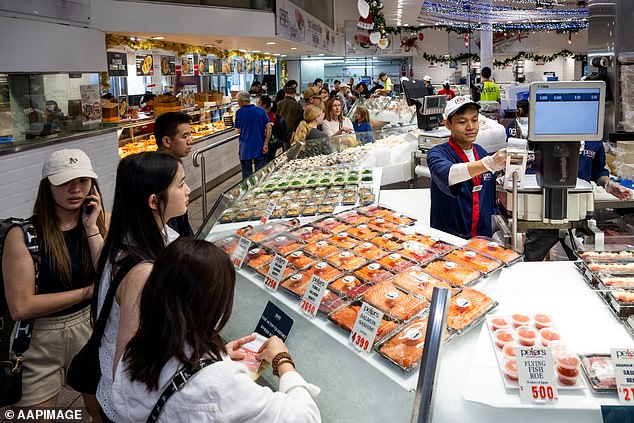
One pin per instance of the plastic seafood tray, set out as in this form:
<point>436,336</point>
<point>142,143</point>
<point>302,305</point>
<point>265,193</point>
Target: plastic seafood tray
<point>397,304</point>
<point>345,317</point>
<point>599,371</point>
<point>420,284</point>
<point>467,309</point>
<point>472,259</point>
<point>452,272</point>
<point>493,249</point>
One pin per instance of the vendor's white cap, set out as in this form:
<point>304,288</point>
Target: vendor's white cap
<point>445,82</point>
<point>65,165</point>
<point>458,104</point>
<point>427,78</point>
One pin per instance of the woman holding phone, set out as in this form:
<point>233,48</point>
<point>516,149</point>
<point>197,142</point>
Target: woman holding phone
<point>70,227</point>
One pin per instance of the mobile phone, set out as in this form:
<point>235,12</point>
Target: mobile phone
<point>88,208</point>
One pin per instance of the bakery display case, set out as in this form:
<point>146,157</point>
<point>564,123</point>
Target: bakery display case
<point>136,136</point>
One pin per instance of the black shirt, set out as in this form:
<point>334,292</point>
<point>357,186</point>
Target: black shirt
<point>181,225</point>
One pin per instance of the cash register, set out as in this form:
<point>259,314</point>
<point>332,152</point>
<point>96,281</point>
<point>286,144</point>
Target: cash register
<point>561,116</point>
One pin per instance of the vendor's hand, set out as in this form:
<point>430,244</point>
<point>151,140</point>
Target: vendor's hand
<point>233,347</point>
<point>495,162</point>
<point>272,347</point>
<point>618,190</point>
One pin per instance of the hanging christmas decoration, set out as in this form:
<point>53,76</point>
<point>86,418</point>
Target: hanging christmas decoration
<point>506,62</point>
<point>466,41</point>
<point>411,71</point>
<point>403,72</point>
<point>375,37</point>
<point>570,38</point>
<point>421,36</point>
<point>384,43</point>
<point>364,8</point>
<point>365,23</point>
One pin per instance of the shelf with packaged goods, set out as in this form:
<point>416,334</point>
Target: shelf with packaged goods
<point>137,135</point>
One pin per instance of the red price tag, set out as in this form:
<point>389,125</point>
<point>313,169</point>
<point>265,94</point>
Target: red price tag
<point>623,363</point>
<point>308,307</point>
<point>541,392</point>
<point>627,394</point>
<point>276,272</point>
<point>365,327</point>
<point>536,375</point>
<point>360,341</point>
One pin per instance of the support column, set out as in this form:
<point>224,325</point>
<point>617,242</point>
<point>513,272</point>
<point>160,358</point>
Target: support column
<point>486,49</point>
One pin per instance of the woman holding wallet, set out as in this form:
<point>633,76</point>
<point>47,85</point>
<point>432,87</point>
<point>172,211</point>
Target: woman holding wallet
<point>185,303</point>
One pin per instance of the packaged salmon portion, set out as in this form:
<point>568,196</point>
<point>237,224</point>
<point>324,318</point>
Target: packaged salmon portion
<point>228,244</point>
<point>373,273</point>
<point>417,282</point>
<point>310,234</point>
<point>257,257</point>
<point>353,217</point>
<point>300,260</point>
<point>324,271</point>
<point>321,249</point>
<point>297,283</point>
<point>473,259</point>
<point>283,244</point>
<point>395,262</point>
<point>399,219</point>
<point>331,302</point>
<point>417,251</point>
<point>374,210</point>
<point>493,249</point>
<point>396,303</point>
<point>381,225</point>
<point>261,232</point>
<point>369,251</point>
<point>363,232</point>
<point>467,308</point>
<point>455,273</point>
<point>406,233</point>
<point>344,240</point>
<point>435,244</point>
<point>331,224</point>
<point>349,286</point>
<point>264,270</point>
<point>346,316</point>
<point>387,242</point>
<point>346,260</point>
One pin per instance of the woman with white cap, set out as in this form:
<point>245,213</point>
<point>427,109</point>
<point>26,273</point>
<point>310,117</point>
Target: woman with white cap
<point>70,226</point>
<point>428,85</point>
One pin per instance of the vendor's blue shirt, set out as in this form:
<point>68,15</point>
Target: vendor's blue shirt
<point>251,121</point>
<point>592,161</point>
<point>451,206</point>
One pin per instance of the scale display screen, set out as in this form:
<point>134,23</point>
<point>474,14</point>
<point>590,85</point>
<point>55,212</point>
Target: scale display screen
<point>566,111</point>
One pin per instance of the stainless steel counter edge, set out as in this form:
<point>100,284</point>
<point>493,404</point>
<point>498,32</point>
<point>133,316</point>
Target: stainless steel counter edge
<point>6,149</point>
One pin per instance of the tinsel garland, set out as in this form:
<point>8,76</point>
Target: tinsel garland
<point>509,60</point>
<point>104,82</point>
<point>113,41</point>
<point>283,72</point>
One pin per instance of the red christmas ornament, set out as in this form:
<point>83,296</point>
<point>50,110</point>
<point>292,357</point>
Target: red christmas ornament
<point>466,41</point>
<point>421,36</point>
<point>403,72</point>
<point>411,72</point>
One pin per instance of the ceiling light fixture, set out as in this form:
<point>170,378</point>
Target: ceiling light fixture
<point>283,55</point>
<point>270,43</point>
<point>293,48</point>
<point>158,37</point>
<point>255,51</point>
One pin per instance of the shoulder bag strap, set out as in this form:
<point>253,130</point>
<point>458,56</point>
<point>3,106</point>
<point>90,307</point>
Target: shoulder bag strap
<point>176,384</point>
<point>100,324</point>
<point>24,328</point>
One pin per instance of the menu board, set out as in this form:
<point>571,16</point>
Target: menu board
<point>187,65</point>
<point>168,65</point>
<point>294,23</point>
<point>117,64</point>
<point>144,65</point>
<point>265,67</point>
<point>203,65</point>
<point>90,104</point>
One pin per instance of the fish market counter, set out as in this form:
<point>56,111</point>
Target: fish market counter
<point>357,386</point>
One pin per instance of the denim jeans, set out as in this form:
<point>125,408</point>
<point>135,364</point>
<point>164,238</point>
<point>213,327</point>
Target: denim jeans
<point>248,164</point>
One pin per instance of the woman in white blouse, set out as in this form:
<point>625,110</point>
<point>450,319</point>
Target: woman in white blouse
<point>185,303</point>
<point>336,123</point>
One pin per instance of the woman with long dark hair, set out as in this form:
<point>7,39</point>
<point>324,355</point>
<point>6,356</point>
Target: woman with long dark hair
<point>69,223</point>
<point>185,303</point>
<point>150,189</point>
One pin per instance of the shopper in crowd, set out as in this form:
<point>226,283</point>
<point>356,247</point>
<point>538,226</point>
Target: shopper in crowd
<point>513,128</point>
<point>318,83</point>
<point>462,180</point>
<point>52,117</point>
<point>346,97</point>
<point>256,89</point>
<point>312,95</point>
<point>325,95</point>
<point>362,90</point>
<point>282,92</point>
<point>336,123</point>
<point>254,128</point>
<point>361,125</point>
<point>150,189</point>
<point>428,85</point>
<point>172,131</point>
<point>308,128</point>
<point>387,84</point>
<point>184,305</point>
<point>278,129</point>
<point>290,109</point>
<point>489,91</point>
<point>70,227</point>
<point>446,90</point>
<point>148,103</point>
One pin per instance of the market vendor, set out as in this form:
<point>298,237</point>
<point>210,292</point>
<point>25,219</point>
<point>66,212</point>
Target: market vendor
<point>387,84</point>
<point>462,181</point>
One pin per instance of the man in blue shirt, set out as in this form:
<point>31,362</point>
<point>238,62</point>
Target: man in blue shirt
<point>591,168</point>
<point>462,181</point>
<point>254,128</point>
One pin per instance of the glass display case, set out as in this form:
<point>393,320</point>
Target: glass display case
<point>387,111</point>
<point>136,135</point>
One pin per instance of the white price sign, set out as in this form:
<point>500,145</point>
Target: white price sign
<point>276,271</point>
<point>312,297</point>
<point>240,253</point>
<point>623,362</point>
<point>536,375</point>
<point>365,327</point>
<point>268,212</point>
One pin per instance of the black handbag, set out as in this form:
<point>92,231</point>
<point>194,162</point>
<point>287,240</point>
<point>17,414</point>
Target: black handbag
<point>11,370</point>
<point>84,371</point>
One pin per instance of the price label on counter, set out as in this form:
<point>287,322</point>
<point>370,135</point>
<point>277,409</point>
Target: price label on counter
<point>536,375</point>
<point>268,212</point>
<point>312,297</point>
<point>365,327</point>
<point>276,272</point>
<point>240,253</point>
<point>623,362</point>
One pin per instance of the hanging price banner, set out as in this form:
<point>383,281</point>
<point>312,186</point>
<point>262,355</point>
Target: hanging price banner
<point>365,327</point>
<point>536,375</point>
<point>623,362</point>
<point>274,277</point>
<point>240,253</point>
<point>268,212</point>
<point>312,297</point>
